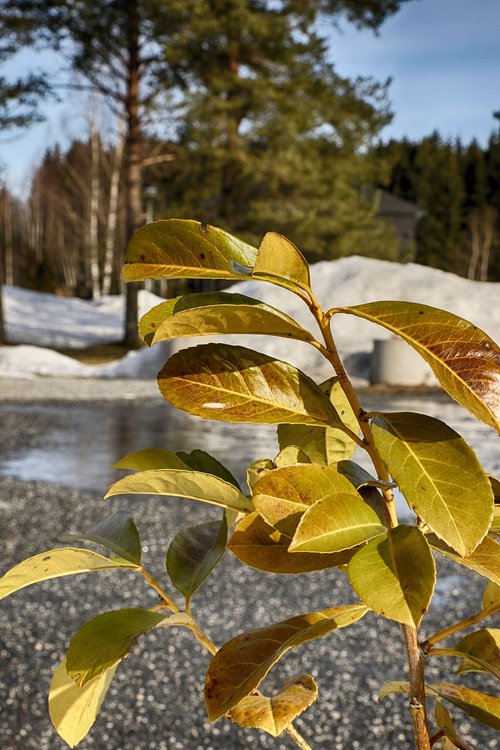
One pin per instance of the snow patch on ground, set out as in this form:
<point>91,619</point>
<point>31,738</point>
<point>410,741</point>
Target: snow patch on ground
<point>41,322</point>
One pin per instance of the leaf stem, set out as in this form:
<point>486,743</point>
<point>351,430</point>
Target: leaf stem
<point>169,603</point>
<point>442,634</point>
<point>297,738</point>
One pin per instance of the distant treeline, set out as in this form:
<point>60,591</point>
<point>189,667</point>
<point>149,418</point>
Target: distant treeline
<point>68,236</point>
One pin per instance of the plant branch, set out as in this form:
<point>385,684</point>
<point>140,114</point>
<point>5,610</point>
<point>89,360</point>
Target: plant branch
<point>480,663</point>
<point>442,634</point>
<point>169,603</point>
<point>416,659</point>
<point>297,738</point>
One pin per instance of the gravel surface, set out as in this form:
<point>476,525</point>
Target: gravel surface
<point>156,701</point>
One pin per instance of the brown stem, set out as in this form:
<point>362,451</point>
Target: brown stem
<point>416,660</point>
<point>297,738</point>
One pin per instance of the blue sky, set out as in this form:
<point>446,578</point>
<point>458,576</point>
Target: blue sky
<point>443,57</point>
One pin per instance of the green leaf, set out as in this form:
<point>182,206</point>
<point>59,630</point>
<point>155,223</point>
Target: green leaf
<point>439,475</point>
<point>274,714</point>
<point>282,496</point>
<point>216,313</point>
<point>259,545</point>
<point>394,574</point>
<point>393,687</point>
<point>194,553</point>
<point>199,460</point>
<point>116,533</point>
<point>234,384</point>
<point>359,477</point>
<point>485,559</point>
<point>242,663</point>
<point>337,522</point>
<point>444,720</point>
<point>106,639</point>
<point>55,563</point>
<point>484,645</point>
<point>150,458</point>
<point>481,706</point>
<point>195,485</point>
<point>74,709</point>
<point>491,595</point>
<point>463,358</point>
<point>186,249</point>
<point>280,262</point>
<point>324,445</point>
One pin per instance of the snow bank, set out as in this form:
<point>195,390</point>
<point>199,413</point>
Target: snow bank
<point>48,321</point>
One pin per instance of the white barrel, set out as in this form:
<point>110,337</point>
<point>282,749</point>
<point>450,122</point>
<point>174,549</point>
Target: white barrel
<point>394,362</point>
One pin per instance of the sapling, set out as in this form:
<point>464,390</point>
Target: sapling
<point>310,507</point>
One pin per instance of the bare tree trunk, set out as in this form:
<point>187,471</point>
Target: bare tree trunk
<point>489,225</point>
<point>114,194</point>
<point>475,244</point>
<point>94,211</point>
<point>9,244</point>
<point>133,167</point>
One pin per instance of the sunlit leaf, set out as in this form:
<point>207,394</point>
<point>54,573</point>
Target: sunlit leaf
<point>324,445</point>
<point>280,262</point>
<point>150,458</point>
<point>359,477</point>
<point>55,563</point>
<point>393,687</point>
<point>484,645</point>
<point>74,709</point>
<point>485,559</point>
<point>394,574</point>
<point>242,663</point>
<point>186,249</point>
<point>194,553</point>
<point>116,533</point>
<point>106,639</point>
<point>274,714</point>
<point>216,313</point>
<point>257,469</point>
<point>439,475</point>
<point>283,495</point>
<point>491,595</point>
<point>259,545</point>
<point>196,485</point>
<point>444,721</point>
<point>337,522</point>
<point>199,460</point>
<point>234,384</point>
<point>464,359</point>
<point>290,456</point>
<point>481,706</point>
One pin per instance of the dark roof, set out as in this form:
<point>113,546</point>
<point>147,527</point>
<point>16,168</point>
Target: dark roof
<point>391,205</point>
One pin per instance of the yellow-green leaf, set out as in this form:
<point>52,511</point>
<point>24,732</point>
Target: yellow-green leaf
<point>481,706</point>
<point>186,249</point>
<point>257,468</point>
<point>393,687</point>
<point>337,522</point>
<point>282,496</point>
<point>324,445</point>
<point>54,563</point>
<point>242,663</point>
<point>274,714</point>
<point>359,477</point>
<point>259,545</point>
<point>280,262</point>
<point>150,458</point>
<point>193,554</point>
<point>116,533</point>
<point>195,485</point>
<point>444,720</point>
<point>463,358</point>
<point>491,595</point>
<point>485,559</point>
<point>216,313</point>
<point>394,574</point>
<point>74,709</point>
<point>439,475</point>
<point>199,460</point>
<point>106,639</point>
<point>234,384</point>
<point>483,645</point>
<point>290,456</point>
